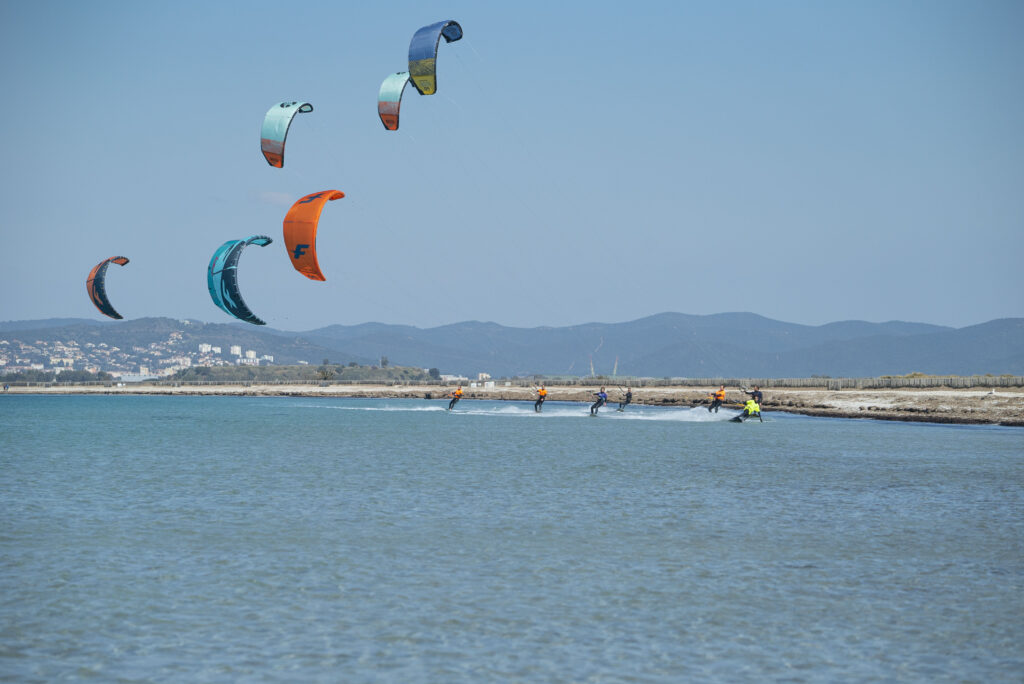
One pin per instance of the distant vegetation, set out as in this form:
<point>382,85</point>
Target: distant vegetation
<point>53,376</point>
<point>326,372</point>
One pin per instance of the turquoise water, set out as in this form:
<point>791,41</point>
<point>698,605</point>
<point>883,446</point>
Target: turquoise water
<point>218,539</point>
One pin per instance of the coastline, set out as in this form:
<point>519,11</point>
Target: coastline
<point>972,406</point>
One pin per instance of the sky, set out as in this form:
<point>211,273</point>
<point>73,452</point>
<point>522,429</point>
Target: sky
<point>809,162</point>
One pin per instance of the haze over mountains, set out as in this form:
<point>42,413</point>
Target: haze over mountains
<point>663,345</point>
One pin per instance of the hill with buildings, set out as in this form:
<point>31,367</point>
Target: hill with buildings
<point>148,347</point>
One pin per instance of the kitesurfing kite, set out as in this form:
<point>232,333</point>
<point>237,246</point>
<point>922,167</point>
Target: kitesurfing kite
<point>300,225</point>
<point>222,278</point>
<point>95,285</point>
<point>423,53</point>
<point>275,129</point>
<point>390,99</point>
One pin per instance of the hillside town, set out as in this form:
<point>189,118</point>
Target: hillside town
<point>155,360</point>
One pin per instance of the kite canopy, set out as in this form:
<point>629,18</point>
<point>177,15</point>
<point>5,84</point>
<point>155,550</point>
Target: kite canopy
<point>300,225</point>
<point>390,99</point>
<point>95,285</point>
<point>222,278</point>
<point>275,129</point>
<point>423,53</point>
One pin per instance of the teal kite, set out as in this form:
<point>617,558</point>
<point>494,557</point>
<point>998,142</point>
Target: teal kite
<point>222,278</point>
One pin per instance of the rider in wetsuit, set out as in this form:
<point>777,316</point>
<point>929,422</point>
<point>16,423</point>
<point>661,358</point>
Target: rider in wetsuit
<point>456,395</point>
<point>542,394</point>
<point>717,398</point>
<point>750,409</point>
<point>626,400</point>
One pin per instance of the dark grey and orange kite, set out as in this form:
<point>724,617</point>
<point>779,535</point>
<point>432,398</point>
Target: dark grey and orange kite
<point>95,285</point>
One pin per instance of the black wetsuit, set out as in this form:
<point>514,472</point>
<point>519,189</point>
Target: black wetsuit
<point>624,404</point>
<point>601,399</point>
<point>537,404</point>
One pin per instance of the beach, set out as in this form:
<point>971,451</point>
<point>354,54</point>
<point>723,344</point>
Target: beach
<point>973,406</point>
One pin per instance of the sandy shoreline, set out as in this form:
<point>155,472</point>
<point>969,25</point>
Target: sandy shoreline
<point>979,406</point>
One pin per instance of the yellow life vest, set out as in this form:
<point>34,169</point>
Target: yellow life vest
<point>752,406</point>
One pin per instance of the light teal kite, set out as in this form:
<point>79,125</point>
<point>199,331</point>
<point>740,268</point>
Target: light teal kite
<point>390,99</point>
<point>275,129</point>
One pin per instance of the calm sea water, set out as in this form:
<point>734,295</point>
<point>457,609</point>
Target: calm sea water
<point>217,539</point>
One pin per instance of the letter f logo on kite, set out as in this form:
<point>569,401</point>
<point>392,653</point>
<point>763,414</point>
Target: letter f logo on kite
<point>299,251</point>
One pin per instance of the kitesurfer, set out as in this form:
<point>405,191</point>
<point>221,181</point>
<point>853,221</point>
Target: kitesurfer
<point>542,394</point>
<point>626,400</point>
<point>750,409</point>
<point>602,398</point>
<point>755,394</point>
<point>456,395</point>
<point>717,398</point>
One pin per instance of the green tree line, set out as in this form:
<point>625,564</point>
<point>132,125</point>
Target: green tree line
<point>326,372</point>
<point>52,376</point>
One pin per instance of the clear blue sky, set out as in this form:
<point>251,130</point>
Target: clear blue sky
<point>806,161</point>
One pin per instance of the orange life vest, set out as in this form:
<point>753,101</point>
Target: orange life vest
<point>720,395</point>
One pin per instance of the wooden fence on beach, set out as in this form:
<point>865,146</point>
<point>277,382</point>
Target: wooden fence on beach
<point>885,382</point>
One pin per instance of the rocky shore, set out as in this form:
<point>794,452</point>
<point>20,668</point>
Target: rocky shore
<point>1003,406</point>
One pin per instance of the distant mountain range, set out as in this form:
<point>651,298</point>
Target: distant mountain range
<point>664,345</point>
